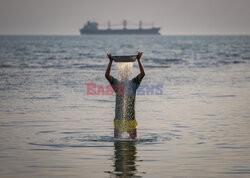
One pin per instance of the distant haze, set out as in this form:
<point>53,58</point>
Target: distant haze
<point>66,17</point>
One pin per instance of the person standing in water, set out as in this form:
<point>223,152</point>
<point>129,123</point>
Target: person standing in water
<point>125,90</point>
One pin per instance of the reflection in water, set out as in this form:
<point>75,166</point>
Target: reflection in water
<point>124,159</point>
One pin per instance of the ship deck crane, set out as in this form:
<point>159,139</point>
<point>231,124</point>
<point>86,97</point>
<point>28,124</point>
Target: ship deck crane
<point>125,24</point>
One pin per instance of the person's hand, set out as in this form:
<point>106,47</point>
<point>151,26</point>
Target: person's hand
<point>139,55</point>
<point>110,57</point>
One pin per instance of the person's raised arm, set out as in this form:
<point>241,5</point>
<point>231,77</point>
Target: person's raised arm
<point>142,73</point>
<point>107,74</point>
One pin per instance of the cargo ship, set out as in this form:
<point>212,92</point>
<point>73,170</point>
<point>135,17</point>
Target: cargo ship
<point>91,28</point>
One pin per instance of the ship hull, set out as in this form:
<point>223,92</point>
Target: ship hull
<point>153,31</point>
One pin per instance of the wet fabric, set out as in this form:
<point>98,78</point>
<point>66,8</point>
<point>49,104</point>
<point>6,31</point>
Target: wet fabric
<point>125,125</point>
<point>125,98</point>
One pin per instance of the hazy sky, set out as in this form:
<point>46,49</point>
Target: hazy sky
<point>174,16</point>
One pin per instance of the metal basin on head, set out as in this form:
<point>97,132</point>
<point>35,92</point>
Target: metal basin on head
<point>131,58</point>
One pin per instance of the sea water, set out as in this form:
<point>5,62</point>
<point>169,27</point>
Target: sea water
<point>198,126</point>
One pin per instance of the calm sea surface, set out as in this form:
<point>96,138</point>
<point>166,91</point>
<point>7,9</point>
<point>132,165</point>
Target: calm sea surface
<point>198,127</point>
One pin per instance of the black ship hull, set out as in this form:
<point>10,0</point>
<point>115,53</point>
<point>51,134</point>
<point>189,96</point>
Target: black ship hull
<point>152,31</point>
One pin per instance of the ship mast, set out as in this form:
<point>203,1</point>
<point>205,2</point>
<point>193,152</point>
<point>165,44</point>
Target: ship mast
<point>109,25</point>
<point>124,22</point>
<point>140,24</point>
